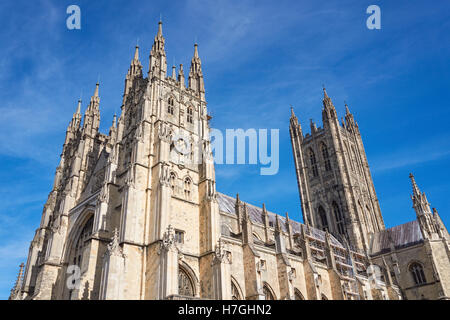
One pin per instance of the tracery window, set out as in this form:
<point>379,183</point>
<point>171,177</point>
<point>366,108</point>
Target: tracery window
<point>81,241</point>
<point>185,285</point>
<point>190,115</point>
<point>339,218</point>
<point>355,159</point>
<point>313,162</point>
<point>417,273</point>
<point>179,236</point>
<point>170,106</point>
<point>187,187</point>
<point>323,218</point>
<point>268,293</point>
<point>326,157</point>
<point>172,181</point>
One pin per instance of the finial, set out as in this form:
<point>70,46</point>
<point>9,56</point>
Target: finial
<point>159,34</point>
<point>79,106</point>
<point>347,111</point>
<point>114,123</point>
<point>174,72</point>
<point>196,50</point>
<point>325,95</point>
<point>277,222</point>
<point>292,111</point>
<point>136,52</point>
<point>96,87</point>
<point>414,184</point>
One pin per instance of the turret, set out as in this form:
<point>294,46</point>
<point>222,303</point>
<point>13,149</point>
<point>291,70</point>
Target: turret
<point>158,64</point>
<point>92,115</point>
<point>423,211</point>
<point>329,110</point>
<point>181,79</point>
<point>134,72</point>
<point>350,122</point>
<point>195,80</point>
<point>74,124</point>
<point>16,290</point>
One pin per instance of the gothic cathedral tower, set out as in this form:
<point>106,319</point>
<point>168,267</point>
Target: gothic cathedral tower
<point>136,208</point>
<point>334,180</point>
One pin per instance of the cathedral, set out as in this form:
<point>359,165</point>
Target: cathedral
<point>131,217</point>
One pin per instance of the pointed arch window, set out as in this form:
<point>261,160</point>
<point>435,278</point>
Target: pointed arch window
<point>267,292</point>
<point>313,163</point>
<point>172,181</point>
<point>235,295</point>
<point>190,115</point>
<point>326,157</point>
<point>323,218</point>
<point>339,218</point>
<point>187,187</point>
<point>170,106</point>
<point>417,273</point>
<point>350,157</point>
<point>185,284</point>
<point>355,159</point>
<point>82,242</point>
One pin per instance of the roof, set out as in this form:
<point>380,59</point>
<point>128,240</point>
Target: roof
<point>227,205</point>
<point>401,236</point>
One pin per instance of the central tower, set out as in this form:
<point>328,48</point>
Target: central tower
<point>335,185</point>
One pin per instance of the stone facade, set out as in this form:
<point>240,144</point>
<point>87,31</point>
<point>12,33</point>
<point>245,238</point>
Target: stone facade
<point>133,216</point>
<point>338,195</point>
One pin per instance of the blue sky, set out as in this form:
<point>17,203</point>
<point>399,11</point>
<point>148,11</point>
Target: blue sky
<point>258,58</point>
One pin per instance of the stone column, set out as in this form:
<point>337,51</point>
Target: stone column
<point>111,287</point>
<point>221,272</point>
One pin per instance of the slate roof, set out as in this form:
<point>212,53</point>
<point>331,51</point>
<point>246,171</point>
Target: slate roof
<point>227,205</point>
<point>402,236</point>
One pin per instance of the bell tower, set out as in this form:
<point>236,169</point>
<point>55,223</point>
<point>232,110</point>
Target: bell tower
<point>334,180</point>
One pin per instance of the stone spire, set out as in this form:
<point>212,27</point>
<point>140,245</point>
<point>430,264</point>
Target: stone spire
<point>135,71</point>
<point>181,76</point>
<point>92,114</point>
<point>195,80</point>
<point>294,121</point>
<point>174,72</point>
<point>349,120</point>
<point>15,292</point>
<point>135,66</point>
<point>416,190</point>
<point>327,103</point>
<point>76,119</point>
<point>423,211</point>
<point>113,130</point>
<point>158,64</point>
<point>328,111</point>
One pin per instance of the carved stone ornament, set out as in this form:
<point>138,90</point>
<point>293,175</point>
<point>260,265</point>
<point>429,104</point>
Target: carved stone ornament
<point>164,132</point>
<point>168,241</point>
<point>114,248</point>
<point>220,254</point>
